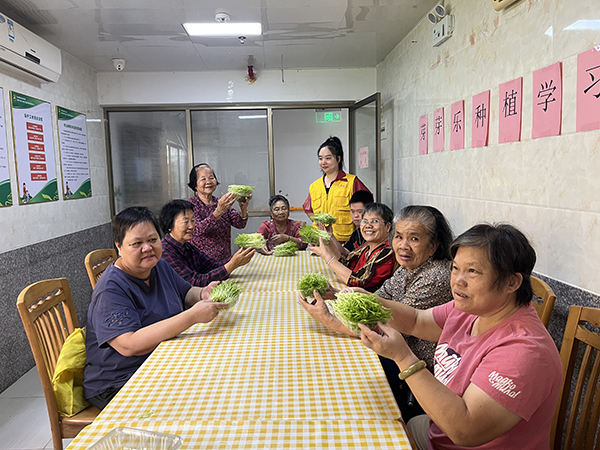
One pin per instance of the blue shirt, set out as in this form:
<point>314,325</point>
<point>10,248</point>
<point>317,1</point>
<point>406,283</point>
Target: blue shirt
<point>122,303</point>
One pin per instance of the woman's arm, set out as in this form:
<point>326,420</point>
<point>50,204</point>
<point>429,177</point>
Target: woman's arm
<point>307,206</point>
<point>342,272</point>
<point>146,339</point>
<point>471,420</point>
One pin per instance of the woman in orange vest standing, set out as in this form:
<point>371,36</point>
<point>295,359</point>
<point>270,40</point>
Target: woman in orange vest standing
<point>331,193</point>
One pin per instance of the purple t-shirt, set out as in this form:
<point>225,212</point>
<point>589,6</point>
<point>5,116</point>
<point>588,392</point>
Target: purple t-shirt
<point>122,303</point>
<point>516,363</point>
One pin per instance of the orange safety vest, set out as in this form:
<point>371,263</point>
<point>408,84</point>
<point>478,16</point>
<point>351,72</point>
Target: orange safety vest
<point>335,203</point>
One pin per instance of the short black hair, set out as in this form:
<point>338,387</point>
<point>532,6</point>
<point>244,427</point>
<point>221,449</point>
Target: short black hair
<point>276,198</point>
<point>381,210</point>
<point>334,145</point>
<point>170,211</point>
<point>435,223</point>
<point>130,217</point>
<point>364,197</point>
<point>193,183</point>
<point>508,251</point>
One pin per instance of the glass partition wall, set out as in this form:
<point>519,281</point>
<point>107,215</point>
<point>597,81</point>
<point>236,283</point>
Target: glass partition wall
<point>273,149</point>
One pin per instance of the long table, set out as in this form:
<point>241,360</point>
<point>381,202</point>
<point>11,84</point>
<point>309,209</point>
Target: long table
<point>262,375</point>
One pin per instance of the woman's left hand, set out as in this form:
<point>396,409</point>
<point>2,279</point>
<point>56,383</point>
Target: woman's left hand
<point>244,203</point>
<point>280,238</point>
<point>205,293</point>
<point>390,343</point>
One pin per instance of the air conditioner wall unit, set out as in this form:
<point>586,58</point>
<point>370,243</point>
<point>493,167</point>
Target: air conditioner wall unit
<point>24,50</point>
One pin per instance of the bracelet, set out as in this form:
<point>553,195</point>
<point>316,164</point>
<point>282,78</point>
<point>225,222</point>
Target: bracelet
<point>289,238</point>
<point>201,292</point>
<point>222,212</point>
<point>332,258</point>
<point>244,217</point>
<point>412,370</point>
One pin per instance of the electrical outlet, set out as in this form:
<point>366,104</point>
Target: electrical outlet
<point>443,30</point>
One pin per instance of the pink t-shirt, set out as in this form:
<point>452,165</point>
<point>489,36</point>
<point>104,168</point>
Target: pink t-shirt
<point>516,363</point>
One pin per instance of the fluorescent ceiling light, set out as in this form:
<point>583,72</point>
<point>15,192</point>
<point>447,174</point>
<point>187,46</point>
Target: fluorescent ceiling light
<point>584,25</point>
<point>223,29</point>
<point>258,116</point>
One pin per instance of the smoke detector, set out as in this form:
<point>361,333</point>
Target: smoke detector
<point>222,16</point>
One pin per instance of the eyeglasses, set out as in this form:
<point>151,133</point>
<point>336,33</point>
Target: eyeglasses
<point>372,221</point>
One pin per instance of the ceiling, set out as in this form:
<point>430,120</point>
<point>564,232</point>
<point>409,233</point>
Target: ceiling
<point>297,34</point>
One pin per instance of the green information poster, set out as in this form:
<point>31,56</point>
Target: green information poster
<point>5,192</point>
<point>34,149</point>
<point>75,165</point>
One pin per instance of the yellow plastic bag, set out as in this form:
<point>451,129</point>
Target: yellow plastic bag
<point>68,376</point>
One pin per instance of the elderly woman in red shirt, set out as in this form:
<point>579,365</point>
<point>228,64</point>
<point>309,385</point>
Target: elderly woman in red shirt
<point>373,262</point>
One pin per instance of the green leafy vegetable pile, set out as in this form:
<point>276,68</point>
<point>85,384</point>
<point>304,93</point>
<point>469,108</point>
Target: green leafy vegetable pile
<point>226,292</point>
<point>353,308</point>
<point>241,191</point>
<point>253,240</point>
<point>311,281</point>
<point>288,248</point>
<point>324,218</point>
<point>311,235</point>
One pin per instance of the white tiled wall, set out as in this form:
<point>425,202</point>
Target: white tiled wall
<point>549,187</point>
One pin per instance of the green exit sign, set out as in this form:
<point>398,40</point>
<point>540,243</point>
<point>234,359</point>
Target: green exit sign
<point>324,116</point>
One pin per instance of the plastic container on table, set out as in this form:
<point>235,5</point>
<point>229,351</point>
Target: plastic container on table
<point>135,439</point>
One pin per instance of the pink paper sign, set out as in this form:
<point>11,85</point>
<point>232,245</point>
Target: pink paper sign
<point>363,158</point>
<point>423,125</point>
<point>588,90</point>
<point>438,130</point>
<point>509,117</point>
<point>481,120</point>
<point>457,125</point>
<point>547,101</point>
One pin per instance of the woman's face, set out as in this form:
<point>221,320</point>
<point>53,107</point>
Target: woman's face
<point>141,249</point>
<point>183,226</point>
<point>280,211</point>
<point>412,244</point>
<point>207,183</point>
<point>373,229</point>
<point>472,283</point>
<point>327,161</point>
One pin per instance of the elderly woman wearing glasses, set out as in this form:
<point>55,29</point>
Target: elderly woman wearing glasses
<point>373,262</point>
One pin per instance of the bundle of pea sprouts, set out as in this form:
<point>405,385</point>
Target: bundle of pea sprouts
<point>311,235</point>
<point>353,308</point>
<point>324,218</point>
<point>226,292</point>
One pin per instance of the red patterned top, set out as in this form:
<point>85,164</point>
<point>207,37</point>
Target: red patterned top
<point>268,229</point>
<point>212,236</point>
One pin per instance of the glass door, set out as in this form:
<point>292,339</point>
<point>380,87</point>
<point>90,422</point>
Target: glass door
<point>365,142</point>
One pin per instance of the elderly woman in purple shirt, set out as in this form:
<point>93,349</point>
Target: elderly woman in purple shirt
<point>214,216</point>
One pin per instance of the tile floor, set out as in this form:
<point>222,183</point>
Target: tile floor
<point>24,423</point>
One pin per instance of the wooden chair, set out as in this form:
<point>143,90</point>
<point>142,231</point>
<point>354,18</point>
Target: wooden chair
<point>581,412</point>
<point>97,261</point>
<point>48,314</point>
<point>542,291</point>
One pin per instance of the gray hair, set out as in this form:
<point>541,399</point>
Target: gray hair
<point>435,224</point>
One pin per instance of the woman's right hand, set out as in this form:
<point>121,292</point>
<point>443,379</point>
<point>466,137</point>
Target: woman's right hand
<point>390,343</point>
<point>240,258</point>
<point>226,202</point>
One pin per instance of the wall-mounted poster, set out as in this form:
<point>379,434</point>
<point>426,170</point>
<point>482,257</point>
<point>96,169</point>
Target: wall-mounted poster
<point>34,149</point>
<point>511,109</point>
<point>547,101</point>
<point>457,125</point>
<point>438,130</point>
<point>423,125</point>
<point>75,167</point>
<point>588,90</point>
<point>481,120</point>
<point>5,192</point>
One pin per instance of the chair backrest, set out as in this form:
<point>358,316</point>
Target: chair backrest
<point>577,413</point>
<point>97,261</point>
<point>48,314</point>
<point>542,291</point>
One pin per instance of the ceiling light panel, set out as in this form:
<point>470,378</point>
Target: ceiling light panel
<point>223,29</point>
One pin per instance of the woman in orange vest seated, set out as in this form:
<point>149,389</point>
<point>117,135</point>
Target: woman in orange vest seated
<point>332,192</point>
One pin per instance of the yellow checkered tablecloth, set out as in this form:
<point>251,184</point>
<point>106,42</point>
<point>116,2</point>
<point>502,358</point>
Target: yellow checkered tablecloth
<point>261,372</point>
<point>263,435</point>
